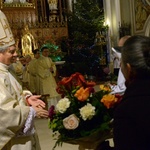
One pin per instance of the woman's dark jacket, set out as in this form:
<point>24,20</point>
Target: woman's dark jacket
<point>132,118</point>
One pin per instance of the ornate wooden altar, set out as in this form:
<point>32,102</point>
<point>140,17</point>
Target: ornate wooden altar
<point>46,21</point>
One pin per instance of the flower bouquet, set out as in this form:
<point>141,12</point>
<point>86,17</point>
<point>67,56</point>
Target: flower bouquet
<point>82,116</point>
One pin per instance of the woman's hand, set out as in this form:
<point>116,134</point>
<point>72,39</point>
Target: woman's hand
<point>34,100</point>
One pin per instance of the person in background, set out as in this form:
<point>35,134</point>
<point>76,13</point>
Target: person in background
<point>22,60</point>
<point>132,115</point>
<point>26,76</point>
<point>17,67</point>
<point>47,71</point>
<point>32,68</point>
<point>120,86</point>
<point>18,107</point>
<point>116,56</point>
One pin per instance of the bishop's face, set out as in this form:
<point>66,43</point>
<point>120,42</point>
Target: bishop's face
<point>8,56</point>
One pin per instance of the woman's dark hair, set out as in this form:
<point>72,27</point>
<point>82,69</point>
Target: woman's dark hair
<point>136,52</point>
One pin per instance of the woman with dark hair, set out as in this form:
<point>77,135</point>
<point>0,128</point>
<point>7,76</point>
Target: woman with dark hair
<point>132,115</point>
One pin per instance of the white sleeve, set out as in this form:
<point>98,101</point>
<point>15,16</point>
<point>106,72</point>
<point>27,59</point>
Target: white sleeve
<point>120,87</point>
<point>29,124</point>
<point>29,129</point>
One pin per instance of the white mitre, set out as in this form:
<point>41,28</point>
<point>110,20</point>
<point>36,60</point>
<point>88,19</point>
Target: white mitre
<point>6,36</point>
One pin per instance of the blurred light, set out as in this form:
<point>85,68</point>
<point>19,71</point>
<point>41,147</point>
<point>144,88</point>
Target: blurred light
<point>107,22</point>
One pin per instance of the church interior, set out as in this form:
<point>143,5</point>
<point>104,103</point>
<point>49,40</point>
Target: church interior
<point>54,22</point>
<point>76,45</point>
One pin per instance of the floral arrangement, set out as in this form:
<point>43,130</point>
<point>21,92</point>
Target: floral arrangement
<point>81,111</point>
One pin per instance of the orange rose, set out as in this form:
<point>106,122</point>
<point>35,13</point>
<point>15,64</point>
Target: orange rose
<point>109,100</point>
<point>82,94</point>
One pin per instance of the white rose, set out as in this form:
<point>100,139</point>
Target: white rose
<point>62,105</point>
<point>87,112</point>
<point>71,122</point>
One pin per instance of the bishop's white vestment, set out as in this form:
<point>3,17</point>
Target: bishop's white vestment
<point>14,113</point>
